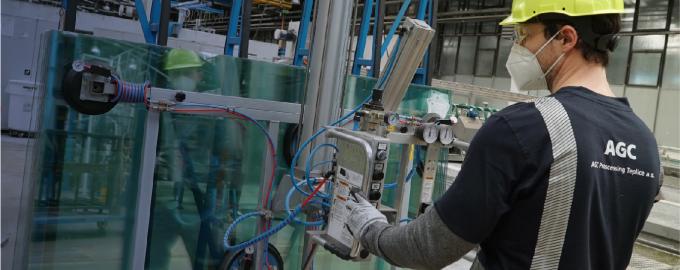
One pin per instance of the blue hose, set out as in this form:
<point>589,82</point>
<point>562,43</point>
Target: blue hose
<point>296,220</point>
<point>260,237</point>
<point>308,162</point>
<point>291,172</point>
<point>408,178</point>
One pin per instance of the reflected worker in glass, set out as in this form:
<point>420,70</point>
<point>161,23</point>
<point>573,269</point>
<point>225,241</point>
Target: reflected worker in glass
<point>196,154</point>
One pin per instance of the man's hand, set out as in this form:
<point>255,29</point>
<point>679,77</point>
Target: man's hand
<point>362,214</point>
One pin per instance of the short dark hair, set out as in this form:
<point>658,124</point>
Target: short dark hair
<point>597,33</point>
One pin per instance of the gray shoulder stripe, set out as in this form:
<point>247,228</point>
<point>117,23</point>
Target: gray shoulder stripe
<point>561,183</point>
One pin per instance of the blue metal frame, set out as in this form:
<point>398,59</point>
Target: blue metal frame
<point>300,49</point>
<point>149,28</point>
<point>395,25</point>
<point>424,13</point>
<point>233,37</point>
<point>359,61</point>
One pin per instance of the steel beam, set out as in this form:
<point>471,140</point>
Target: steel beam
<point>256,108</point>
<point>144,191</point>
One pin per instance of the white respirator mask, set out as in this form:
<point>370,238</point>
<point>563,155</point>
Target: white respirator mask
<point>184,83</point>
<point>525,71</point>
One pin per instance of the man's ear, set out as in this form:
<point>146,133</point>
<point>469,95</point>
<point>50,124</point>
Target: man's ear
<point>569,37</point>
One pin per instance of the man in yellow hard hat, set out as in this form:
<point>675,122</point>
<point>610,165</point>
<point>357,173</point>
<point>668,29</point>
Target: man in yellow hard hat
<point>562,182</point>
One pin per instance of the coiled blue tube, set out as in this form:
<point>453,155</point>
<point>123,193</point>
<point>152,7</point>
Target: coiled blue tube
<point>260,237</point>
<point>129,92</point>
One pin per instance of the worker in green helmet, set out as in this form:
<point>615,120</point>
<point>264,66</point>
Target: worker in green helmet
<point>183,68</point>
<point>561,182</point>
<point>201,166</point>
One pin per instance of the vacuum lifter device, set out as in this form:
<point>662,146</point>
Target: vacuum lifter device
<point>360,162</point>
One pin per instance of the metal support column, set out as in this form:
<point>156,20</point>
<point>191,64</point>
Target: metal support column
<point>377,37</point>
<point>327,69</point>
<point>301,49</point>
<point>70,15</point>
<point>164,23</point>
<point>144,190</point>
<point>232,34</point>
<point>431,54</point>
<point>326,76</point>
<point>245,29</point>
<point>359,60</point>
<point>261,246</point>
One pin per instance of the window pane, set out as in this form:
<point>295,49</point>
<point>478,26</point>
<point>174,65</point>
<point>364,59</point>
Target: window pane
<point>466,58</point>
<point>489,27</point>
<point>618,61</point>
<point>503,51</point>
<point>487,42</point>
<point>652,14</point>
<point>653,42</point>
<point>447,62</point>
<point>671,80</point>
<point>470,28</point>
<point>644,69</point>
<point>628,16</point>
<point>484,63</point>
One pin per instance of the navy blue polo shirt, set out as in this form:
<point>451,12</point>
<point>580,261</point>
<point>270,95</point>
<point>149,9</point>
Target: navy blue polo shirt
<point>500,195</point>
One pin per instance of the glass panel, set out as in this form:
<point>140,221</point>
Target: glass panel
<point>466,55</point>
<point>484,63</point>
<point>671,80</point>
<point>644,69</point>
<point>618,61</point>
<point>503,52</point>
<point>87,176</point>
<point>652,14</point>
<point>418,100</point>
<point>651,42</point>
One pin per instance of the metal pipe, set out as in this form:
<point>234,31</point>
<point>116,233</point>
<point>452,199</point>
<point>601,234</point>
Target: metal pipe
<point>245,29</point>
<point>377,38</point>
<point>164,23</point>
<point>70,15</point>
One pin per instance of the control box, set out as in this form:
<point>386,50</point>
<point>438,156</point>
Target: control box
<point>361,165</point>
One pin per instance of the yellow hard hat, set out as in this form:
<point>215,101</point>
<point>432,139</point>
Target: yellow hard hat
<point>180,58</point>
<point>523,10</point>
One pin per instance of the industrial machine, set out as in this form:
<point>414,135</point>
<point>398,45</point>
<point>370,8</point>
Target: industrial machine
<point>358,165</point>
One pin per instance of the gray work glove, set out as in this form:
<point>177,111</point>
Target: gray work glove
<point>362,214</point>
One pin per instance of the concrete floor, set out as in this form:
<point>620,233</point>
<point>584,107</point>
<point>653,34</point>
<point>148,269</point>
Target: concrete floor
<point>664,220</point>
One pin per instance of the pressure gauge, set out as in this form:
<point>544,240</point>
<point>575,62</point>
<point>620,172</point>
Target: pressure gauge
<point>428,132</point>
<point>446,134</point>
<point>392,118</point>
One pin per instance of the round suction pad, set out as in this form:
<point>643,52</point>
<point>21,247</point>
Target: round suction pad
<point>70,87</point>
